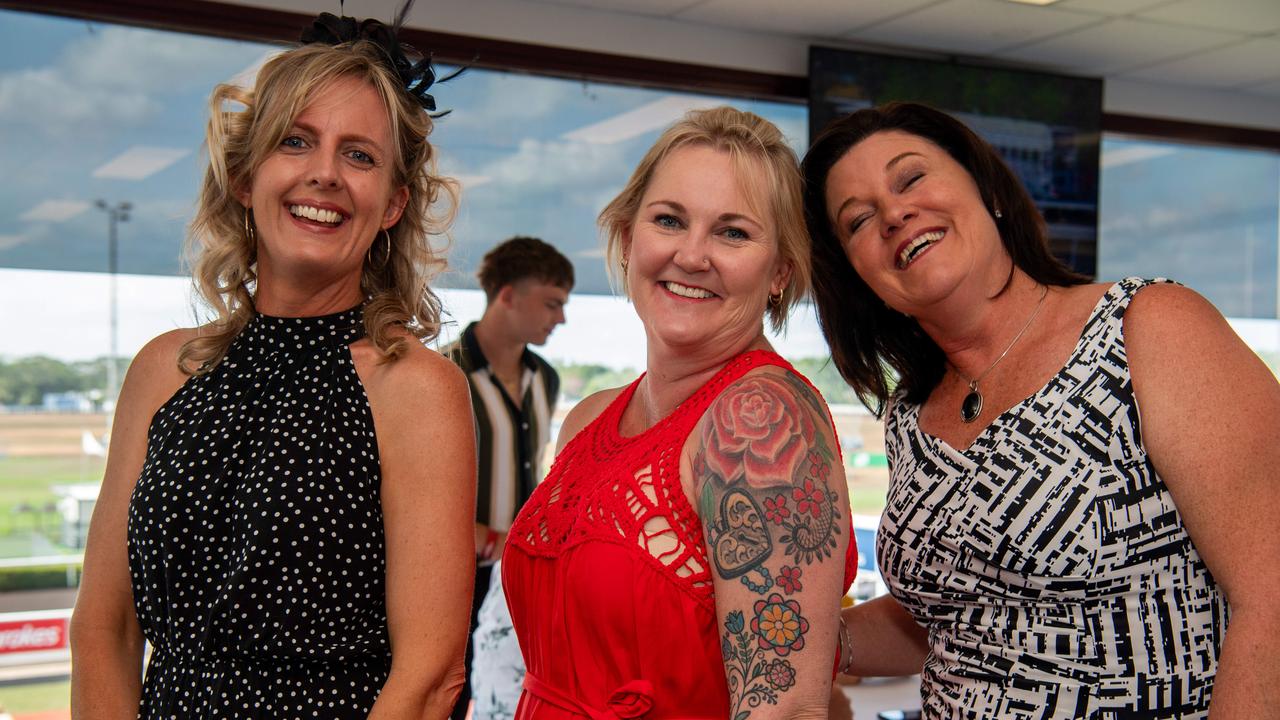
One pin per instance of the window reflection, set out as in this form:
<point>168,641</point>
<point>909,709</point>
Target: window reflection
<point>94,111</point>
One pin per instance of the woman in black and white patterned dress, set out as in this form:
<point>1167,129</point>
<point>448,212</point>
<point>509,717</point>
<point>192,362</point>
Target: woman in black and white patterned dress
<point>272,522</point>
<point>1050,551</point>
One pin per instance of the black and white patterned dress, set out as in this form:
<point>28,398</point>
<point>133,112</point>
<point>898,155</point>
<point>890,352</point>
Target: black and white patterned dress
<point>1047,561</point>
<point>255,534</point>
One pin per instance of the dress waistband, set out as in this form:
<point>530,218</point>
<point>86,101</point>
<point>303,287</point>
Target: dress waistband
<point>630,700</point>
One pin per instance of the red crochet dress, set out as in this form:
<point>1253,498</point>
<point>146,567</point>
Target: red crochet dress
<point>607,576</point>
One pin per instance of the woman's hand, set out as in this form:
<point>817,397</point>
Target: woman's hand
<point>426,443</point>
<point>1210,421</point>
<point>106,642</point>
<point>769,486</point>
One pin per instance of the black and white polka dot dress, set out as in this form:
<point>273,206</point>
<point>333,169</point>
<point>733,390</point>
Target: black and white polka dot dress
<point>255,534</point>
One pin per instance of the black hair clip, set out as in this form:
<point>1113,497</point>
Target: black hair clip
<point>416,76</point>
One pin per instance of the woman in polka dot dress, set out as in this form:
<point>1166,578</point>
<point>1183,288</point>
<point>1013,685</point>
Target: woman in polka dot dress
<point>286,516</point>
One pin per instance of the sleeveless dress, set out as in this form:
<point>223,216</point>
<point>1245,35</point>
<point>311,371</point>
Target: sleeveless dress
<point>255,533</point>
<point>1047,561</point>
<point>608,579</point>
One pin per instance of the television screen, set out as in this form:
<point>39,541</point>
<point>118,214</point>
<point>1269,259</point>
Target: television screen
<point>1046,127</point>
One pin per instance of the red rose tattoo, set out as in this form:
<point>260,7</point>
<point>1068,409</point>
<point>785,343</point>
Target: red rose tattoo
<point>760,432</point>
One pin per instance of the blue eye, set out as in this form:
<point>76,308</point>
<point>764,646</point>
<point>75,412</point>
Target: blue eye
<point>293,141</point>
<point>734,233</point>
<point>666,221</point>
<point>361,157</point>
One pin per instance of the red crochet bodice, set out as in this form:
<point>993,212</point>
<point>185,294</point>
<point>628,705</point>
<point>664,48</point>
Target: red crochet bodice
<point>607,576</point>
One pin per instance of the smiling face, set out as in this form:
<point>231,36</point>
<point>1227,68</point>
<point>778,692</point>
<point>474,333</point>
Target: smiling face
<point>912,222</point>
<point>702,259</point>
<point>321,197</point>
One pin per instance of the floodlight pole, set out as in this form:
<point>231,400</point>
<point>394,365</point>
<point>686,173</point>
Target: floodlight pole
<point>116,214</point>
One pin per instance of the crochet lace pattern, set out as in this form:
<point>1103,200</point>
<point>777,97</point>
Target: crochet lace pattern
<point>626,490</point>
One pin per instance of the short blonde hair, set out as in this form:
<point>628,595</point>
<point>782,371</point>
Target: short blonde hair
<point>223,252</point>
<point>767,171</point>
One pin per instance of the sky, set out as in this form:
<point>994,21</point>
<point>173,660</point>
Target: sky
<point>91,111</point>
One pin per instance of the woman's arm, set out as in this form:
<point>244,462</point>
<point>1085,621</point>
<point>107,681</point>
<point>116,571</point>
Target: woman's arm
<point>1210,414</point>
<point>426,443</point>
<point>884,638</point>
<point>106,643</point>
<point>770,489</point>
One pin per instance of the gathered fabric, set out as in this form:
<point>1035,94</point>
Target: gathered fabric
<point>256,547</point>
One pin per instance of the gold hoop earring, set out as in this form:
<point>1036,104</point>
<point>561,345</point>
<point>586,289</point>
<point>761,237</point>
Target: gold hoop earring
<point>776,300</point>
<point>386,257</point>
<point>248,229</point>
<point>624,264</point>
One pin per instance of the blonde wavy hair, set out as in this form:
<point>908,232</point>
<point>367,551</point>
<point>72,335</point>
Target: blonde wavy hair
<point>223,251</point>
<point>766,169</point>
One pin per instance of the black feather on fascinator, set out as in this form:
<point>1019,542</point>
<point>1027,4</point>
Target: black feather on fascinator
<point>417,76</point>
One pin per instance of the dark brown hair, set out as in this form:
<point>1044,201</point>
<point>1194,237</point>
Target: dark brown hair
<point>866,337</point>
<point>520,258</point>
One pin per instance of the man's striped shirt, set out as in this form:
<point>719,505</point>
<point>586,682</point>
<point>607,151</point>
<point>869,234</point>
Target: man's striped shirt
<point>510,437</point>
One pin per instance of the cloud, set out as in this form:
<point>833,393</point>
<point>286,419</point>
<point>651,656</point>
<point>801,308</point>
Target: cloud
<point>55,211</point>
<point>113,76</point>
<point>136,60</point>
<point>501,103</point>
<point>562,167</point>
<point>48,99</point>
<point>8,241</point>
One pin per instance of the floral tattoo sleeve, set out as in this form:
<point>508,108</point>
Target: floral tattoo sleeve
<point>761,477</point>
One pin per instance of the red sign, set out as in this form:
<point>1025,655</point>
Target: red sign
<point>33,635</point>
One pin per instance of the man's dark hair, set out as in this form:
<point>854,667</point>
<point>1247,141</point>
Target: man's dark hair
<point>520,258</point>
<point>866,337</point>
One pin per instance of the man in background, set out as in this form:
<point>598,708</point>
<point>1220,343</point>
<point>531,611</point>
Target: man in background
<point>526,284</point>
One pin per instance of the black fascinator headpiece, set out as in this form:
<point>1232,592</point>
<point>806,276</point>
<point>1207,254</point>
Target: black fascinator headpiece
<point>416,75</point>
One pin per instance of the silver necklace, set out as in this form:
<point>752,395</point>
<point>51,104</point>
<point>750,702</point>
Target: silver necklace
<point>971,406</point>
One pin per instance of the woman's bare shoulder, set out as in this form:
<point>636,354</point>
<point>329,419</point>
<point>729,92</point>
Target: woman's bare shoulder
<point>154,375</point>
<point>418,374</point>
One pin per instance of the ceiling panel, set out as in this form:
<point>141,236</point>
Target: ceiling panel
<point>1249,16</point>
<point>1111,7</point>
<point>1271,89</point>
<point>656,8</point>
<point>973,27</point>
<point>1119,45</point>
<point>1247,63</point>
<point>819,18</point>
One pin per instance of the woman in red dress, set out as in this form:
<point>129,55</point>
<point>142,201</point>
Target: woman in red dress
<point>687,553</point>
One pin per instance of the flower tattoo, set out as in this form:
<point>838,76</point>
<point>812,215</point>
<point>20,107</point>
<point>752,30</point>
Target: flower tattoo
<point>809,498</point>
<point>789,579</point>
<point>778,625</point>
<point>759,433</point>
<point>781,675</point>
<point>776,510</point>
<point>754,679</point>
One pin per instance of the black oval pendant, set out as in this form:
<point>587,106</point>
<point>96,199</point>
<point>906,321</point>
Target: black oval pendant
<point>971,406</point>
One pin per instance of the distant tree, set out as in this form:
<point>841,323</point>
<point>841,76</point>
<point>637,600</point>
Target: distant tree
<point>26,380</point>
<point>579,381</point>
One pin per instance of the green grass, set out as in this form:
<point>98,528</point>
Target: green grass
<point>866,501</point>
<point>36,697</point>
<point>29,481</point>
